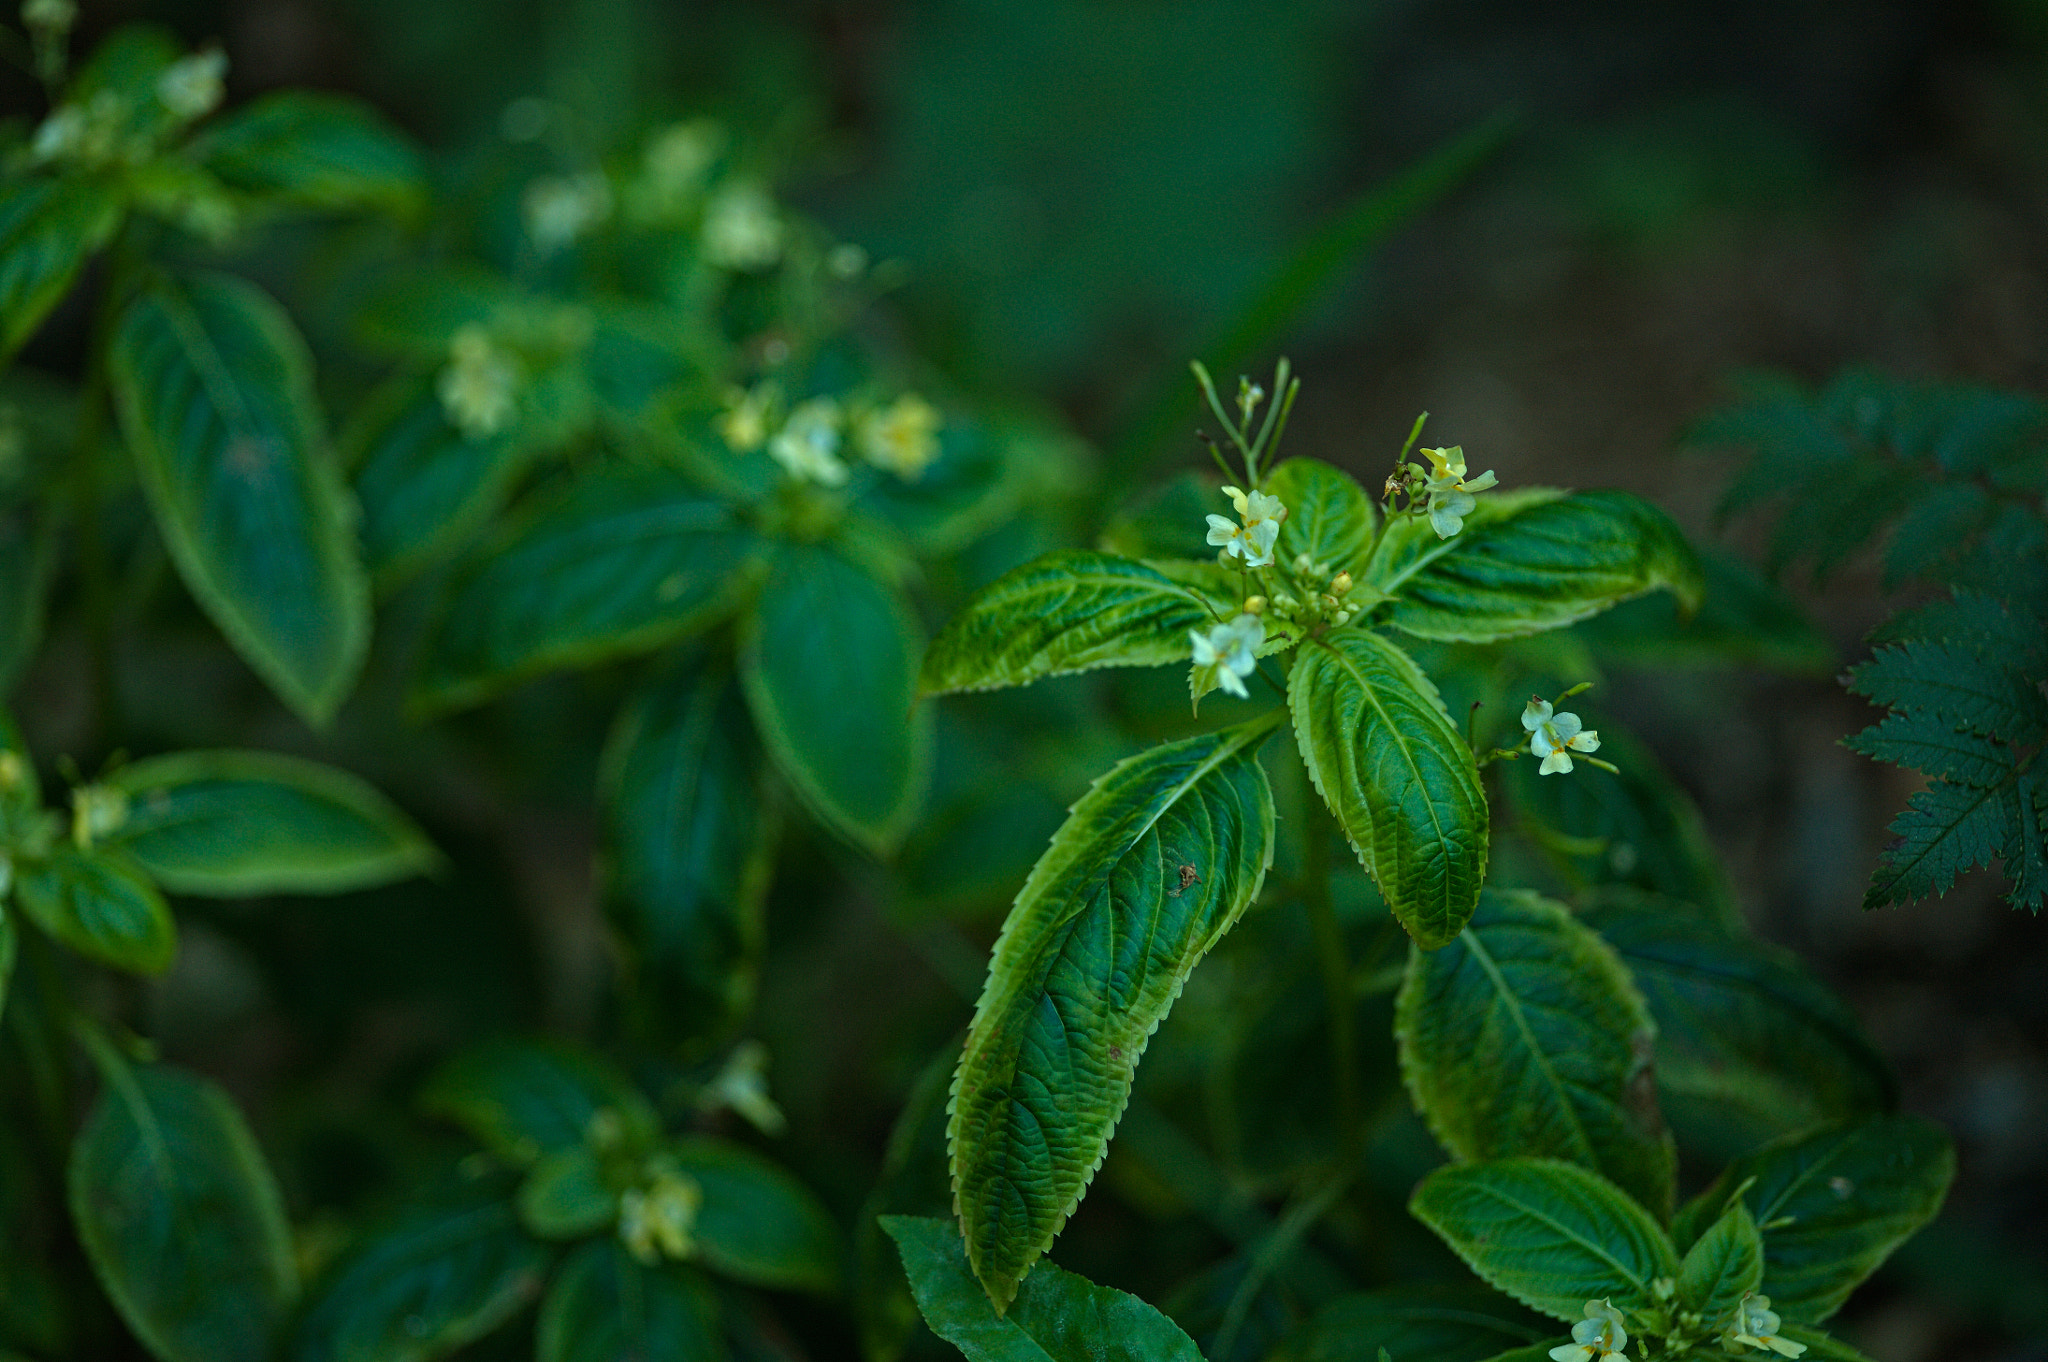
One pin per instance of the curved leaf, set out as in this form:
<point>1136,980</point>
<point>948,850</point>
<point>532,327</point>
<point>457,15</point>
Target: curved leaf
<point>605,1307</point>
<point>1396,774</point>
<point>686,852</point>
<point>215,390</point>
<point>181,1218</point>
<point>757,1222</point>
<point>47,229</point>
<point>1820,1347</point>
<point>1065,612</point>
<point>1526,1036</point>
<point>829,667</point>
<point>1550,1234</point>
<point>235,824</point>
<point>628,560</point>
<point>101,906</point>
<point>1056,1316</point>
<point>314,150</point>
<point>1726,1264</point>
<point>1094,952</point>
<point>1529,561</point>
<point>444,1274</point>
<point>523,1099</point>
<point>1329,516</point>
<point>1437,1324</point>
<point>565,1196</point>
<point>1833,1203</point>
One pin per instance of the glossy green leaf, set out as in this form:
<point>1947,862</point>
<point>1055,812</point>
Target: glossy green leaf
<point>101,905</point>
<point>686,852</point>
<point>1723,1266</point>
<point>235,824</point>
<point>1740,1023</point>
<point>445,1273</point>
<point>215,391</point>
<point>1550,1234</point>
<point>48,227</point>
<point>1065,612</point>
<point>314,150</point>
<point>182,1218</point>
<point>605,1307</point>
<point>1530,560</point>
<point>523,1099</point>
<point>628,560</point>
<point>1833,1203</point>
<point>1427,1323</point>
<point>1100,940</point>
<point>1056,1316</point>
<point>757,1222</point>
<point>829,666</point>
<point>564,1195</point>
<point>1397,775</point>
<point>1329,516</point>
<point>1526,1036</point>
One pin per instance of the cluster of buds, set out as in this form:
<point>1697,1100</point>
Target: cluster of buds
<point>1326,601</point>
<point>902,436</point>
<point>96,812</point>
<point>108,128</point>
<point>479,386</point>
<point>658,1218</point>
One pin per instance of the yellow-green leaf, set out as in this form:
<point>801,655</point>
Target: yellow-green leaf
<point>1329,516</point>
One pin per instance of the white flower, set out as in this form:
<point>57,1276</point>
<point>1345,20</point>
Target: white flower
<point>1450,490</point>
<point>678,156</point>
<point>744,422</point>
<point>808,443</point>
<point>1756,1325</point>
<point>1253,540</point>
<point>902,437</point>
<point>561,208</point>
<point>741,229</point>
<point>480,387</point>
<point>1596,1337</point>
<point>1230,652</point>
<point>190,87</point>
<point>658,1220</point>
<point>1555,736</point>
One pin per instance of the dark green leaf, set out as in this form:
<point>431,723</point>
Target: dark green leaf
<point>1925,744</point>
<point>1956,685</point>
<point>757,1223</point>
<point>102,906</point>
<point>1939,523</point>
<point>687,841</point>
<point>28,541</point>
<point>1723,1266</point>
<point>1550,1234</point>
<point>1944,831</point>
<point>444,1274</point>
<point>1065,612</point>
<point>1833,1204</point>
<point>565,1196</point>
<point>47,229</point>
<point>629,560</point>
<point>181,1218</point>
<point>1329,516</point>
<point>1054,1317</point>
<point>1397,775</point>
<point>1819,1346</point>
<point>605,1307</point>
<point>1428,1324</point>
<point>235,824</point>
<point>524,1099</point>
<point>1742,620</point>
<point>314,150</point>
<point>1097,947</point>
<point>1526,1036</point>
<point>215,391</point>
<point>849,735</point>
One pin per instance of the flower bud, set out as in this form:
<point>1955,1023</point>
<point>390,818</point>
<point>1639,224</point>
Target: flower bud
<point>1255,605</point>
<point>1341,584</point>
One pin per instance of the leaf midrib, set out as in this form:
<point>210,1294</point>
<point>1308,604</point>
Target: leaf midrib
<point>1514,1006</point>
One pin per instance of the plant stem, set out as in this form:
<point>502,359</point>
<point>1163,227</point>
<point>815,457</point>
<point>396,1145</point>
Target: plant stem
<point>1336,972</point>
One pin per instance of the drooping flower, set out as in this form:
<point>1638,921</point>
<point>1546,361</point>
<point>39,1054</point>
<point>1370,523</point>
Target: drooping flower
<point>479,388</point>
<point>1756,1325</point>
<point>1228,652</point>
<point>1253,540</point>
<point>1450,489</point>
<point>1555,736</point>
<point>902,437</point>
<point>1596,1337</point>
<point>808,443</point>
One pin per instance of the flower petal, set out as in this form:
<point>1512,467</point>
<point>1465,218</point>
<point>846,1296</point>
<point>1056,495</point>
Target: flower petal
<point>1564,725</point>
<point>1557,761</point>
<point>1586,741</point>
<point>1535,714</point>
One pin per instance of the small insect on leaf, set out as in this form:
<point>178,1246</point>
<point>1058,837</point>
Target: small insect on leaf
<point>1188,875</point>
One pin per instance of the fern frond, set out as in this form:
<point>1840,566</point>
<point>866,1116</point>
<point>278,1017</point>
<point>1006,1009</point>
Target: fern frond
<point>1921,744</point>
<point>1944,831</point>
<point>1957,685</point>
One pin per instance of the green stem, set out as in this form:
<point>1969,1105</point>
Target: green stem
<point>1336,972</point>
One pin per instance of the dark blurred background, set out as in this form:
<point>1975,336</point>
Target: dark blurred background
<point>1083,191</point>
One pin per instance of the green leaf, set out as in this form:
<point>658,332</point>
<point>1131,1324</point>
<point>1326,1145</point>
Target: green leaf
<point>686,852</point>
<point>28,543</point>
<point>102,906</point>
<point>627,561</point>
<point>1740,1023</point>
<point>1820,1347</point>
<point>236,824</point>
<point>314,150</point>
<point>1095,950</point>
<point>1833,1203</point>
<point>1056,1316</point>
<point>605,1307</point>
<point>1743,620</point>
<point>1923,743</point>
<point>1528,561</point>
<point>446,1273</point>
<point>1065,612</point>
<point>1726,1264</point>
<point>47,229</point>
<point>1526,1036</point>
<point>1396,774</point>
<point>1550,1234</point>
<point>565,1196</point>
<point>758,1224</point>
<point>1329,516</point>
<point>848,736</point>
<point>523,1099</point>
<point>1944,831</point>
<point>215,390</point>
<point>181,1218</point>
<point>1956,685</point>
<point>1428,1324</point>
